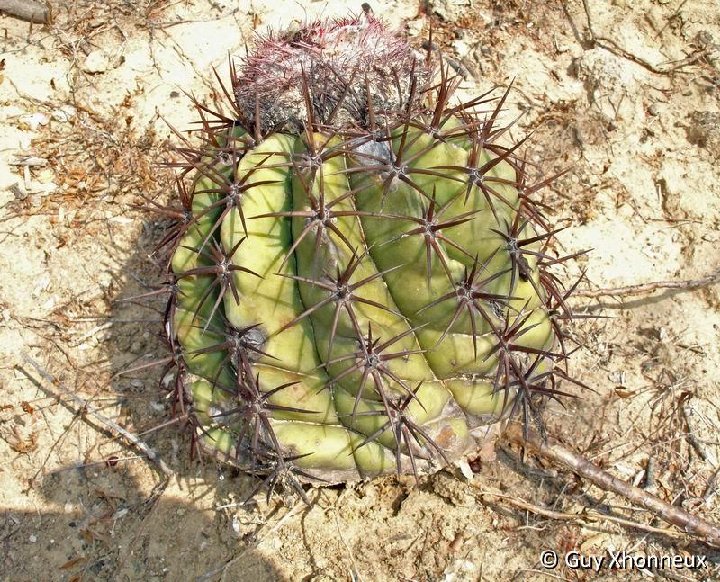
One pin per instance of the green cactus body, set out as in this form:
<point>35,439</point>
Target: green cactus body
<point>363,290</point>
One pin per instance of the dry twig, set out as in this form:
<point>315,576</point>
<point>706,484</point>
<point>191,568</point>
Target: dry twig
<point>587,516</point>
<point>28,10</point>
<point>67,398</point>
<point>661,69</point>
<point>644,288</point>
<point>549,449</point>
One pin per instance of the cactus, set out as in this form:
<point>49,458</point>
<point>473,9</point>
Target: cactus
<point>361,279</point>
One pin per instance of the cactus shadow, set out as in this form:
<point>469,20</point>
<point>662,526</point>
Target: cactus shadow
<point>122,517</point>
<point>106,527</point>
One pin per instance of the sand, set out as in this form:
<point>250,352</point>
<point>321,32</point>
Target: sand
<point>628,101</point>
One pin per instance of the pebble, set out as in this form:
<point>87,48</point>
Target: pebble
<point>449,10</point>
<point>35,120</point>
<point>461,48</point>
<point>96,62</point>
<point>414,27</point>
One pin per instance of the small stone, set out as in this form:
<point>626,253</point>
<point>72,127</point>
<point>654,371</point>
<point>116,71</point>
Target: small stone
<point>415,27</point>
<point>461,48</point>
<point>96,62</point>
<point>449,10</point>
<point>34,120</point>
<point>63,114</point>
<point>157,406</point>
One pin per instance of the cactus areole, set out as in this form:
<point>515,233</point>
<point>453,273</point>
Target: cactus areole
<point>360,276</point>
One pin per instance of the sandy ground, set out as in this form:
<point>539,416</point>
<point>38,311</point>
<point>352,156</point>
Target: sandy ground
<point>628,99</point>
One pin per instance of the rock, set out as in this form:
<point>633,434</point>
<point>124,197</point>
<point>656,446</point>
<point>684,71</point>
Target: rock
<point>33,121</point>
<point>415,27</point>
<point>461,48</point>
<point>96,62</point>
<point>449,10</point>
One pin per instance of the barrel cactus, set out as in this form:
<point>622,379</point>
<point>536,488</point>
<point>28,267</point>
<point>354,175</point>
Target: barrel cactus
<point>361,279</point>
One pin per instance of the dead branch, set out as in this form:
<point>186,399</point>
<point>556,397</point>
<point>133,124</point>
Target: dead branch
<point>643,288</point>
<point>27,10</point>
<point>70,400</point>
<point>677,516</point>
<point>662,69</point>
<point>585,518</point>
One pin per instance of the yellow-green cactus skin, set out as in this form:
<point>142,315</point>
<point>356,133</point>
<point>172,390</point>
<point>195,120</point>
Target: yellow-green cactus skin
<point>361,278</point>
